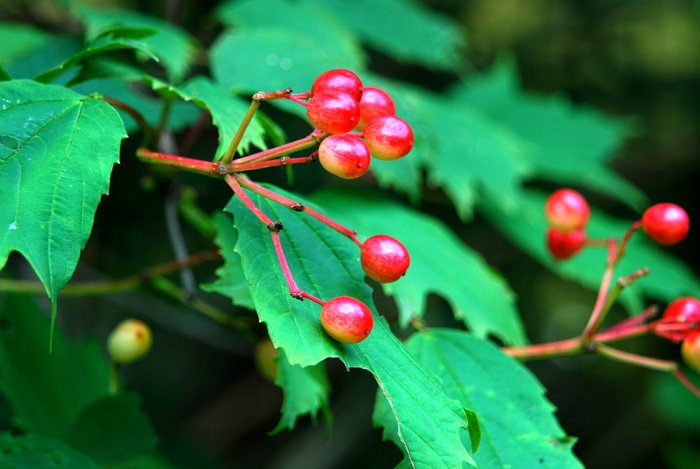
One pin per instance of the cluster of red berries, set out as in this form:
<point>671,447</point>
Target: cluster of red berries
<point>567,213</point>
<point>361,122</point>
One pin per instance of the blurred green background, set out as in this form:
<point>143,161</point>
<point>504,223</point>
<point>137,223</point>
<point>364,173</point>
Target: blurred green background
<point>211,407</point>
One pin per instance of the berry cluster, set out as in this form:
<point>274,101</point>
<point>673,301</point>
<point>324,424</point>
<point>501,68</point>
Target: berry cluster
<point>338,105</point>
<point>567,213</point>
<point>352,123</point>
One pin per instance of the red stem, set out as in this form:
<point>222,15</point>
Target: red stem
<point>296,206</point>
<point>599,311</point>
<point>191,164</point>
<point>236,167</point>
<point>274,228</point>
<point>309,141</point>
<point>686,382</point>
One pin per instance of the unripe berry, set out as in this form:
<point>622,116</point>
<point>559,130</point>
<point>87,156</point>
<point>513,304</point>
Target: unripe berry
<point>344,155</point>
<point>265,355</point>
<point>566,210</point>
<point>666,223</point>
<point>336,113</point>
<point>564,244</point>
<point>384,259</point>
<point>375,102</point>
<point>346,319</point>
<point>690,350</point>
<point>129,341</point>
<point>337,81</point>
<point>388,137</point>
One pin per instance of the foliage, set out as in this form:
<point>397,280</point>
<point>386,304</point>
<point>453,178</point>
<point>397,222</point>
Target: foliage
<point>76,100</point>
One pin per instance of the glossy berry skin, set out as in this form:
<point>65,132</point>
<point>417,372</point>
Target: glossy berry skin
<point>344,155</point>
<point>336,81</point>
<point>690,350</point>
<point>336,113</point>
<point>388,137</point>
<point>685,310</point>
<point>375,102</point>
<point>129,341</point>
<point>566,210</point>
<point>564,244</point>
<point>666,223</point>
<point>384,259</point>
<point>347,319</point>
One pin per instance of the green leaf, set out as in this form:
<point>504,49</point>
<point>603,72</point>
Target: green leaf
<point>494,385</point>
<point>181,114</point>
<point>57,150</point>
<point>461,150</point>
<point>325,264</point>
<point>170,45</point>
<point>48,391</point>
<point>440,263</point>
<point>402,29</point>
<point>231,281</point>
<point>227,112</point>
<point>306,391</point>
<point>113,430</point>
<point>19,40</point>
<point>271,58</point>
<point>40,452</point>
<point>566,143</point>
<point>527,226</point>
<point>99,46</point>
<point>47,56</point>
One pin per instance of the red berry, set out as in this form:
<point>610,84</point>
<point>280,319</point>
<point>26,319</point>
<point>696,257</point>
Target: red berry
<point>564,244</point>
<point>375,102</point>
<point>666,223</point>
<point>388,137</point>
<point>566,210</point>
<point>690,350</point>
<point>337,81</point>
<point>384,258</point>
<point>685,309</point>
<point>344,155</point>
<point>346,319</point>
<point>336,113</point>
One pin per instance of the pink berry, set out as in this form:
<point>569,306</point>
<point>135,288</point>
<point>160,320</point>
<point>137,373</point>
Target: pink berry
<point>337,81</point>
<point>666,223</point>
<point>344,155</point>
<point>685,310</point>
<point>384,258</point>
<point>388,137</point>
<point>336,113</point>
<point>347,319</point>
<point>375,102</point>
<point>566,210</point>
<point>564,244</point>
